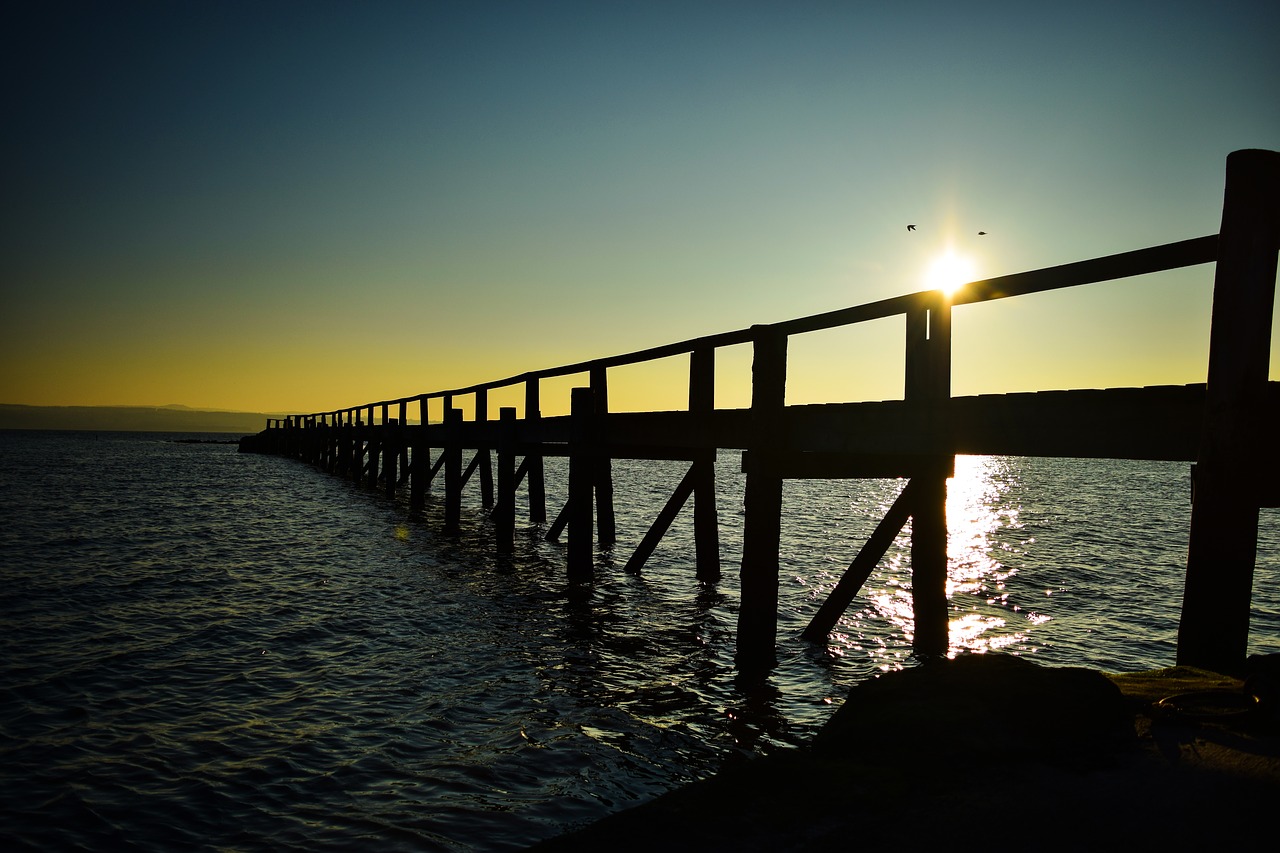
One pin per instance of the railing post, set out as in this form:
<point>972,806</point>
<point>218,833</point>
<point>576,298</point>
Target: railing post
<point>928,387</point>
<point>534,477</point>
<point>606,525</point>
<point>504,514</point>
<point>582,474</point>
<point>1214,629</point>
<point>762,501</point>
<point>706,524</point>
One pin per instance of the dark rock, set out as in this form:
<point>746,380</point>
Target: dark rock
<point>984,708</point>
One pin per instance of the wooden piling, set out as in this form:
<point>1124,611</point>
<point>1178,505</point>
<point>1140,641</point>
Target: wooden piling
<point>927,390</point>
<point>483,459</point>
<point>358,447</point>
<point>582,478</point>
<point>403,443</point>
<point>535,479</point>
<point>1214,629</point>
<point>706,522</point>
<point>452,454</point>
<point>762,501</point>
<point>420,473</point>
<point>372,446</point>
<point>606,523</point>
<point>504,513</point>
<point>390,452</point>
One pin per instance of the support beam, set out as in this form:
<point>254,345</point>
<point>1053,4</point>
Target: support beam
<point>758,609</point>
<point>606,524</point>
<point>371,470</point>
<point>582,474</point>
<point>537,487</point>
<point>706,522</point>
<point>861,568</point>
<point>482,454</point>
<point>557,527</point>
<point>1214,629</point>
<point>661,524</point>
<point>504,514</point>
<point>452,458</point>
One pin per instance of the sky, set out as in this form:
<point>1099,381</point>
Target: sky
<point>307,206</point>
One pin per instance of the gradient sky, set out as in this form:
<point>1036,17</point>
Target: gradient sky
<point>302,206</point>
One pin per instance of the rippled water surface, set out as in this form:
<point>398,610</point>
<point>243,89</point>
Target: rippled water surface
<point>211,650</point>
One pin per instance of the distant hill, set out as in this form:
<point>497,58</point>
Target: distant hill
<point>130,419</point>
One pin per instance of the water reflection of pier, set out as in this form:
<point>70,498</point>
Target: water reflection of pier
<point>1222,426</point>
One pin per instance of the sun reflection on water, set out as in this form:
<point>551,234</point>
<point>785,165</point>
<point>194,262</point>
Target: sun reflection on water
<point>978,507</point>
<point>983,618</point>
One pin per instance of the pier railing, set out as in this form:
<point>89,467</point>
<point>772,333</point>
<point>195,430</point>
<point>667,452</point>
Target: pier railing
<point>1221,426</point>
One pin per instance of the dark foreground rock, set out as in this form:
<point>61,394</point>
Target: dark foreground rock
<point>984,752</point>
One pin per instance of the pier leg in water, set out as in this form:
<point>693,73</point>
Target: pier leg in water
<point>1222,549</point>
<point>582,474</point>
<point>504,514</point>
<point>482,454</point>
<point>605,522</point>
<point>706,522</point>
<point>535,478</point>
<point>762,502</point>
<point>453,472</point>
<point>929,563</point>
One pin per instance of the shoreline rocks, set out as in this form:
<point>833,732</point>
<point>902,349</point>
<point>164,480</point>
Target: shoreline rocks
<point>970,751</point>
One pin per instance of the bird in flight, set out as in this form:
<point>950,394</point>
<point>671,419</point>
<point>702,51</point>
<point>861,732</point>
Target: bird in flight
<point>911,228</point>
<point>982,233</point>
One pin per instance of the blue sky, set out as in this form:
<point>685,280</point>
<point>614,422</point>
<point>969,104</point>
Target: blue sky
<point>305,206</point>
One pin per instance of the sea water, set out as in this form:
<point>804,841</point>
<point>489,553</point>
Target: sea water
<point>211,650</point>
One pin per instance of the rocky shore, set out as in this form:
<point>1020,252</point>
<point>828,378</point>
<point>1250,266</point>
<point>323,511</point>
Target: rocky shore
<point>987,751</point>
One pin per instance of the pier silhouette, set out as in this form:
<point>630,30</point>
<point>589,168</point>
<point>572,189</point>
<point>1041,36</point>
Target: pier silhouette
<point>1225,427</point>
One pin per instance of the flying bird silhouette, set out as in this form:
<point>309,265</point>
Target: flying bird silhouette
<point>982,233</point>
<point>911,228</point>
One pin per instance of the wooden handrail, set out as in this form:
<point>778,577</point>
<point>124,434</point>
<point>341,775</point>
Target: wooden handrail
<point>1185,253</point>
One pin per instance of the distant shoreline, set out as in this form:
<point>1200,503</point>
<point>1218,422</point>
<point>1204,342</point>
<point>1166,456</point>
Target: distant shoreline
<point>130,419</point>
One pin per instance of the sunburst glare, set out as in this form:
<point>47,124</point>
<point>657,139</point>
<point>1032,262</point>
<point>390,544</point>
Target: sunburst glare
<point>949,272</point>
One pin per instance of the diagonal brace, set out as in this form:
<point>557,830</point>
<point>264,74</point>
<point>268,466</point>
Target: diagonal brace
<point>863,564</point>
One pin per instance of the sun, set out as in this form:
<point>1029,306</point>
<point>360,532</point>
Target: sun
<point>949,272</point>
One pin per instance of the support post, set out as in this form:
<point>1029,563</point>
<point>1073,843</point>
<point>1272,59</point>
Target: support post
<point>403,442</point>
<point>762,525</point>
<point>537,483</point>
<point>582,474</point>
<point>453,472</point>
<point>390,451</point>
<point>420,472</point>
<point>606,525</point>
<point>504,514</point>
<point>482,454</point>
<point>374,450</point>
<point>706,523</point>
<point>1214,629</point>
<point>928,390</point>
<point>359,433</point>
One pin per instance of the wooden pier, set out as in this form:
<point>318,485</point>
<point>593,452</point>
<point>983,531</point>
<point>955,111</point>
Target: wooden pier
<point>1225,427</point>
